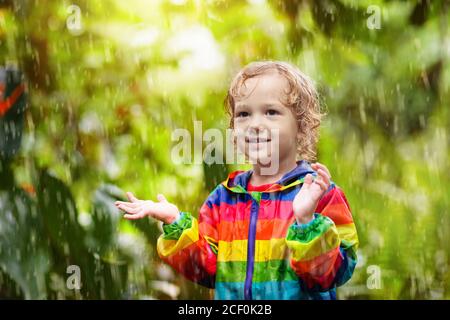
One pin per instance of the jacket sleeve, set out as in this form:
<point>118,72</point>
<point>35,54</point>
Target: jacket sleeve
<point>323,252</point>
<point>190,246</point>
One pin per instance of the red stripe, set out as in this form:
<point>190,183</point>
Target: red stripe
<point>233,212</point>
<point>319,270</point>
<point>209,215</point>
<point>9,102</point>
<point>339,213</point>
<point>335,206</point>
<point>265,229</point>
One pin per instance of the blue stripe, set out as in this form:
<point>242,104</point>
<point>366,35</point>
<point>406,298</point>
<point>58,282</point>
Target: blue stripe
<point>223,195</point>
<point>346,269</point>
<point>286,195</point>
<point>278,290</point>
<point>322,295</point>
<point>251,249</point>
<point>229,291</point>
<point>271,290</point>
<point>289,290</point>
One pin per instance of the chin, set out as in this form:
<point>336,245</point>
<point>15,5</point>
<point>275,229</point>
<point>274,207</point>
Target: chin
<point>256,158</point>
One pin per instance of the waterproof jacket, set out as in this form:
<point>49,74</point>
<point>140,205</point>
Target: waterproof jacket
<point>248,245</point>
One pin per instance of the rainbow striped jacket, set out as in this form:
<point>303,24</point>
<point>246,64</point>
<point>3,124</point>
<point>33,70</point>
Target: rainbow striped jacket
<point>249,245</point>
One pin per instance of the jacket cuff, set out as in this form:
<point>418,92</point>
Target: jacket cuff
<point>174,230</point>
<point>306,232</point>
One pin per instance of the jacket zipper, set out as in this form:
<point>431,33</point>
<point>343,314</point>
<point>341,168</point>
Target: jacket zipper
<point>256,197</point>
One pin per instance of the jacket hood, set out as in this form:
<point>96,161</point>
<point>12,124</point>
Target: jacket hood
<point>237,181</point>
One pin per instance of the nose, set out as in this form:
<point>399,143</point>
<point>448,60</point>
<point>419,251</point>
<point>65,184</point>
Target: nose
<point>256,124</point>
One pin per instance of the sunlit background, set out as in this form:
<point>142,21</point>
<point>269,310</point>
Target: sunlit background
<point>108,82</point>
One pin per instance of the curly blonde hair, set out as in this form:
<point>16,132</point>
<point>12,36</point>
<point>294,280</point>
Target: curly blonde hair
<point>302,98</point>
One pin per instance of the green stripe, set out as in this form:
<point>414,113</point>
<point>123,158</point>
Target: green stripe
<point>257,196</point>
<point>273,270</point>
<point>237,189</point>
<point>317,227</point>
<point>350,248</point>
<point>174,230</point>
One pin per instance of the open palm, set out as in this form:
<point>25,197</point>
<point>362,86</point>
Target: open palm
<point>306,200</point>
<point>138,209</point>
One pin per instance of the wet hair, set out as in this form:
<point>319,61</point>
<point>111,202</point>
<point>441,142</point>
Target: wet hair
<point>301,97</point>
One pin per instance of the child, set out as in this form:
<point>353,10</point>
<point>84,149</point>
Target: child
<point>284,235</point>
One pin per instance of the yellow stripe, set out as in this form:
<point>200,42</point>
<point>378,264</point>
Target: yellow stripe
<point>316,247</point>
<point>169,247</point>
<point>280,188</point>
<point>296,182</point>
<point>348,232</point>
<point>273,249</point>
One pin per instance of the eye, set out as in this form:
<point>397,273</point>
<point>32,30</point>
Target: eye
<point>242,114</point>
<point>272,112</point>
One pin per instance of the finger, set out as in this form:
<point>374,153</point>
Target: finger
<point>131,197</point>
<point>161,198</point>
<point>123,202</point>
<point>321,184</point>
<point>134,216</point>
<point>129,209</point>
<point>324,176</point>
<point>318,165</point>
<point>120,202</point>
<point>128,204</point>
<point>308,179</point>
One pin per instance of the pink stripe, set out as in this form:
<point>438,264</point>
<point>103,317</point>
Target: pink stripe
<point>269,209</point>
<point>237,212</point>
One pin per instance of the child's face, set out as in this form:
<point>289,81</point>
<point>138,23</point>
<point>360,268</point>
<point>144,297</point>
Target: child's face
<point>260,115</point>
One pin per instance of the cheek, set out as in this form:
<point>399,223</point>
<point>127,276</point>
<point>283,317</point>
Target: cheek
<point>289,130</point>
<point>238,136</point>
<point>239,130</point>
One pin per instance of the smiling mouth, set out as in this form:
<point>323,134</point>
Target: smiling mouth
<point>257,140</point>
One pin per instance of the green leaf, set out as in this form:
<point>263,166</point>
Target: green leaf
<point>24,256</point>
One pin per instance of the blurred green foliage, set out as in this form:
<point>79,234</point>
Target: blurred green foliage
<point>104,100</point>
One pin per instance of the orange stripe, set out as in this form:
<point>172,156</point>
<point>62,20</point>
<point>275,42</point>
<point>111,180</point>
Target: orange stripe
<point>207,229</point>
<point>320,263</point>
<point>338,212</point>
<point>8,102</point>
<point>265,229</point>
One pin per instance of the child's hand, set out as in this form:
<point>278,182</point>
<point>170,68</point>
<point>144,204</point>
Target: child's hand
<point>137,209</point>
<point>305,202</point>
